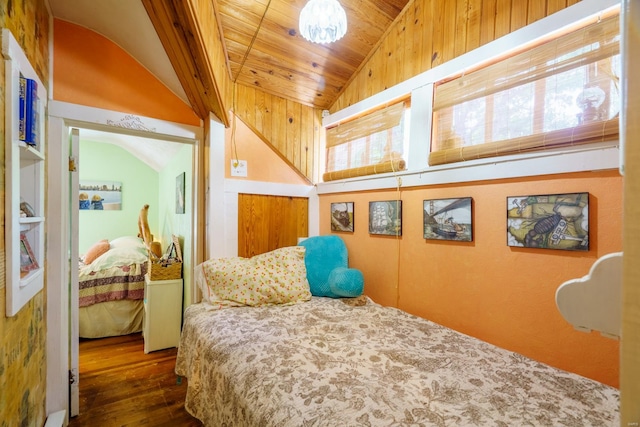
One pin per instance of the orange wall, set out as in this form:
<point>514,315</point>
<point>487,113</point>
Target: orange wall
<point>263,164</point>
<point>500,294</point>
<point>91,70</point>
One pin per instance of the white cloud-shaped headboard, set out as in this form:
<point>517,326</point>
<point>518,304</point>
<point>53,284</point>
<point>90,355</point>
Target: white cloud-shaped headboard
<point>594,302</point>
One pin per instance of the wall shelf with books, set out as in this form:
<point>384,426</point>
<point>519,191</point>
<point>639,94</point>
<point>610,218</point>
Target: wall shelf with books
<point>25,102</point>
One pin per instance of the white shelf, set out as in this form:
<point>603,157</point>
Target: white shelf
<point>24,180</point>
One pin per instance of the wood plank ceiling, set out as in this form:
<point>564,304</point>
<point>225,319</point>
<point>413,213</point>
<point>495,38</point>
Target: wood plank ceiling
<point>265,49</point>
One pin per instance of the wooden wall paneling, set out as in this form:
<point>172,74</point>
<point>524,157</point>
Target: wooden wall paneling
<point>399,52</point>
<point>294,120</point>
<point>572,2</point>
<point>437,39</point>
<point>391,59</point>
<point>259,111</point>
<point>250,101</point>
<point>450,19</point>
<point>413,38</point>
<point>555,5</point>
<point>267,119</point>
<point>268,222</point>
<point>519,11</point>
<point>488,22</point>
<point>474,16</point>
<point>537,10</point>
<point>461,27</point>
<point>426,36</point>
<point>503,18</point>
<point>278,127</point>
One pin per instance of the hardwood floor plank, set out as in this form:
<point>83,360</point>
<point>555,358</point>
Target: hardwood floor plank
<point>121,386</point>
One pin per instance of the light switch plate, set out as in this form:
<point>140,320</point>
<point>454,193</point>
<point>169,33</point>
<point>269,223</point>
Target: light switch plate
<point>238,168</point>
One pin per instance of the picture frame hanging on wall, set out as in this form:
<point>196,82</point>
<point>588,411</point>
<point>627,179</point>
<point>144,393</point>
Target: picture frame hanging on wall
<point>448,219</point>
<point>100,195</point>
<point>180,193</point>
<point>385,218</point>
<point>342,218</point>
<point>549,221</point>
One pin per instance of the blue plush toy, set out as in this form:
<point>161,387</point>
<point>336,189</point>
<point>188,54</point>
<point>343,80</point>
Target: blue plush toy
<point>328,271</point>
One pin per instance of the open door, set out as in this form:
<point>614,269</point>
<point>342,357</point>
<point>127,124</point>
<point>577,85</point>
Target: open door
<point>74,185</point>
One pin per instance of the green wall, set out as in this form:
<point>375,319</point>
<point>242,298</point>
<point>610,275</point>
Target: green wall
<point>172,223</point>
<point>140,186</point>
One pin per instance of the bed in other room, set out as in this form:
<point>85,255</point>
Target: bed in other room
<point>111,288</point>
<point>261,351</point>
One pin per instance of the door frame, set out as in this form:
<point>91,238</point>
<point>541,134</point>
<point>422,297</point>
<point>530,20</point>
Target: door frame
<point>62,117</point>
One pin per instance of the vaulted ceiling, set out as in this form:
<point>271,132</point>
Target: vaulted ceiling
<point>265,49</point>
<point>262,42</point>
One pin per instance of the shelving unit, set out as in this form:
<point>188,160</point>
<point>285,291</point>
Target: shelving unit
<point>24,181</point>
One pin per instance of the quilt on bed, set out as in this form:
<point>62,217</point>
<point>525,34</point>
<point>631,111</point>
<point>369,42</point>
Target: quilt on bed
<point>324,363</point>
<point>111,284</point>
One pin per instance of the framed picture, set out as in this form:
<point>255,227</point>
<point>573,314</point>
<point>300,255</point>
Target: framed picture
<point>385,218</point>
<point>342,216</point>
<point>28,261</point>
<point>100,195</point>
<point>448,219</point>
<point>180,193</point>
<point>552,221</point>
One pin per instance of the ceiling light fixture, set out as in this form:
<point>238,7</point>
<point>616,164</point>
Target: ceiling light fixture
<point>323,21</point>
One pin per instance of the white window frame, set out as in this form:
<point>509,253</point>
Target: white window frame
<point>600,156</point>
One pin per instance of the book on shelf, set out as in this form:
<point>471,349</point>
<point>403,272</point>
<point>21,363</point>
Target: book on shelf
<point>31,113</point>
<point>22,125</point>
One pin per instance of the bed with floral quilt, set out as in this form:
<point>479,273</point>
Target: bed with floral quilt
<point>315,361</point>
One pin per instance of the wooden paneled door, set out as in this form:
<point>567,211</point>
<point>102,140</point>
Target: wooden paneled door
<point>266,223</point>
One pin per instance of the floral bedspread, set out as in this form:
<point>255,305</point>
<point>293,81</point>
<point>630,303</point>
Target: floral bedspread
<point>111,284</point>
<point>324,363</point>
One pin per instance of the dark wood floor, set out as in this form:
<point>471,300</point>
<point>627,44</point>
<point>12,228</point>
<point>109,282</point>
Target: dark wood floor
<point>122,386</point>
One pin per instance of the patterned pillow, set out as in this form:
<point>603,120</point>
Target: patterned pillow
<point>276,277</point>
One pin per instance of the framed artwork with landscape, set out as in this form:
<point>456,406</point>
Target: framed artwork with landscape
<point>448,219</point>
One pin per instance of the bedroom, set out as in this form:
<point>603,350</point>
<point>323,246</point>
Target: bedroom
<point>384,253</point>
<point>146,172</point>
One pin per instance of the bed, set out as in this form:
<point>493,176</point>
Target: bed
<point>323,362</point>
<point>111,288</point>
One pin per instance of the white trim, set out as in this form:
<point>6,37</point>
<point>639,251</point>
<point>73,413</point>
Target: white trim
<point>117,122</point>
<point>602,156</point>
<point>61,116</point>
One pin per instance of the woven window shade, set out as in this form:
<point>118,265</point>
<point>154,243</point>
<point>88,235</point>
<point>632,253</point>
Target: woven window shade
<point>524,103</point>
<point>364,126</point>
<point>383,167</point>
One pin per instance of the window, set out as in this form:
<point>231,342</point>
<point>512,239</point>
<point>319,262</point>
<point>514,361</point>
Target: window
<point>558,93</point>
<point>371,144</point>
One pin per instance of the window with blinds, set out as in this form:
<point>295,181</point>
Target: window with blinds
<point>559,93</point>
<point>371,144</point>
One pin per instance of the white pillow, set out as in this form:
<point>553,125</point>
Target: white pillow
<point>117,257</point>
<point>129,242</point>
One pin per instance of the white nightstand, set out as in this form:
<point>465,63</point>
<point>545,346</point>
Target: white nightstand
<point>162,314</point>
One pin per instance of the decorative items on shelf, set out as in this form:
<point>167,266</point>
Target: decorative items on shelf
<point>28,261</point>
<point>26,211</point>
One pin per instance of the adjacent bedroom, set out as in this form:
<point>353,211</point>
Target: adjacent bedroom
<point>118,176</point>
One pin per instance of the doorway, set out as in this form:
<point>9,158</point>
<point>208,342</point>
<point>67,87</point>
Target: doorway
<point>61,346</point>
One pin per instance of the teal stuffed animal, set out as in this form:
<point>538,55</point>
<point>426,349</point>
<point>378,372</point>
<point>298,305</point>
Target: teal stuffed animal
<point>328,271</point>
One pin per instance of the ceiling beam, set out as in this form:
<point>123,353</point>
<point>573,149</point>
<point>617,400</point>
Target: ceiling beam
<point>179,28</point>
